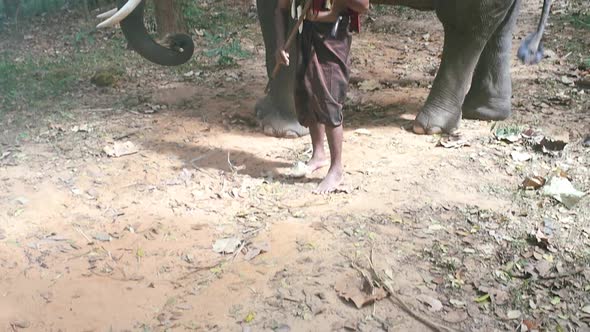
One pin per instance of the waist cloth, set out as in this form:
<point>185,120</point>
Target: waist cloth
<point>322,73</point>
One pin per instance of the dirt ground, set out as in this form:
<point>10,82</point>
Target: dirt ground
<point>91,242</point>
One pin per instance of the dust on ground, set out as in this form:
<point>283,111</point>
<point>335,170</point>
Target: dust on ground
<point>158,204</point>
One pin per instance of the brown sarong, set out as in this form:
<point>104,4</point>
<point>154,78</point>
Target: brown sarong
<point>322,73</point>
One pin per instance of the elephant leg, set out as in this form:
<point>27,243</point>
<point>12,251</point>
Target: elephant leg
<point>468,26</point>
<point>491,86</point>
<point>276,111</point>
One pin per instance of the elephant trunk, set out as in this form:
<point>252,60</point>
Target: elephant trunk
<point>180,46</point>
<point>531,49</point>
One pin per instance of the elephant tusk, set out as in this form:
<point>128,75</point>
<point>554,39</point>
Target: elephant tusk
<point>121,14</point>
<point>107,14</point>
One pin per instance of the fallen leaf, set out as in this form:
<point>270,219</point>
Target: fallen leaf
<point>226,245</point>
<point>563,191</point>
<point>256,250</point>
<point>513,314</point>
<point>357,290</point>
<point>520,156</point>
<point>551,146</point>
<point>586,309</point>
<point>102,236</point>
<point>434,305</point>
<point>566,80</point>
<point>483,298</point>
<point>457,303</point>
<point>555,300</point>
<point>452,142</point>
<point>120,149</point>
<point>531,325</point>
<point>362,131</point>
<point>532,304</point>
<point>250,317</point>
<point>533,182</point>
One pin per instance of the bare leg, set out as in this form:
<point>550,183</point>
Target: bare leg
<point>335,174</point>
<point>318,159</point>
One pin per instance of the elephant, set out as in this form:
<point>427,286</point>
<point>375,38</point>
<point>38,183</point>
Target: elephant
<point>473,80</point>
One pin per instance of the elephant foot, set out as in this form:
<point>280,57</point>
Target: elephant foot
<point>490,109</point>
<point>431,121</point>
<point>276,122</point>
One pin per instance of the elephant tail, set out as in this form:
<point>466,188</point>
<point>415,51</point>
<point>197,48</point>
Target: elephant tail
<point>531,50</point>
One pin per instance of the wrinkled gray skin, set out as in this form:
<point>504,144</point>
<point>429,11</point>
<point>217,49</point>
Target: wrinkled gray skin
<point>473,80</point>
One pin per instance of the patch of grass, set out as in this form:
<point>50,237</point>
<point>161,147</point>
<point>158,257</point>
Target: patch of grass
<point>225,47</point>
<point>579,20</point>
<point>37,82</point>
<point>27,80</point>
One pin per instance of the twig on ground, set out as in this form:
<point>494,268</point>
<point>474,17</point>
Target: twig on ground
<point>232,168</point>
<point>132,278</point>
<point>242,245</point>
<point>83,234</point>
<point>397,300</point>
<point>199,269</point>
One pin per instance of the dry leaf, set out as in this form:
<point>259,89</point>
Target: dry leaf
<point>513,314</point>
<point>452,142</point>
<point>227,245</point>
<point>120,149</point>
<point>362,131</point>
<point>434,305</point>
<point>534,182</point>
<point>256,250</point>
<point>520,156</point>
<point>356,289</point>
<point>563,191</point>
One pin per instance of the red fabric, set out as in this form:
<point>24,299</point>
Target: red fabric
<point>318,5</point>
<point>355,22</point>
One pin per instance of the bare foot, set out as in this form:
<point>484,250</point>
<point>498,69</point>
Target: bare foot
<point>331,182</point>
<point>316,163</point>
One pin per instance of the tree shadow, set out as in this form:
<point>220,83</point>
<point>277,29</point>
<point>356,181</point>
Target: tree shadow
<point>227,160</point>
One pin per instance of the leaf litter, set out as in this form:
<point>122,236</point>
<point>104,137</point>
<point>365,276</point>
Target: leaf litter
<point>119,149</point>
<point>227,245</point>
<point>563,191</point>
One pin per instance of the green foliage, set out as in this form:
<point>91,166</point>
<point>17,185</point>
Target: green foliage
<point>226,48</point>
<point>37,7</point>
<point>37,81</point>
<point>193,14</point>
<point>27,80</point>
<point>580,20</point>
